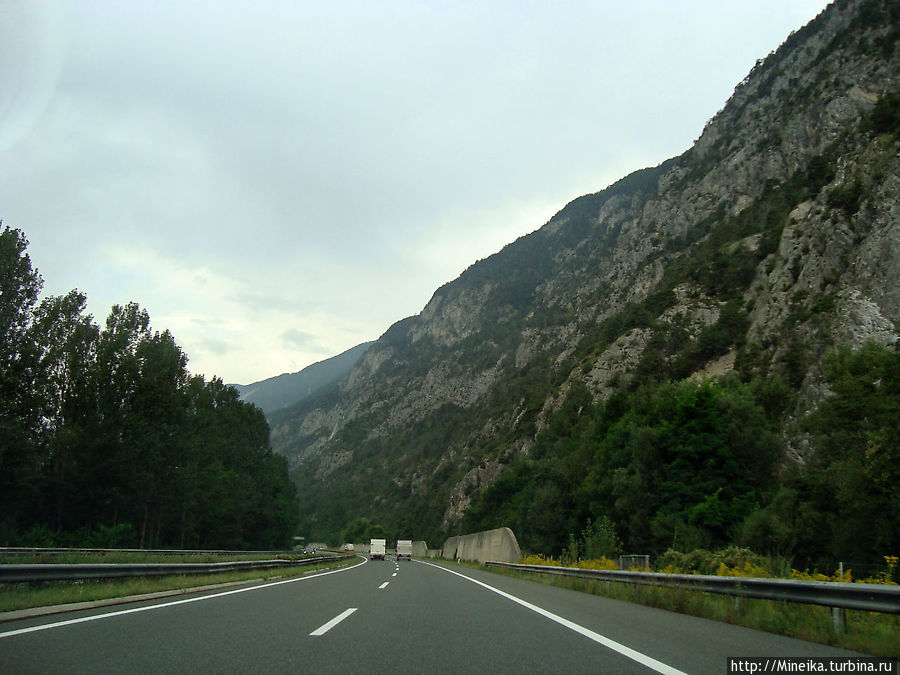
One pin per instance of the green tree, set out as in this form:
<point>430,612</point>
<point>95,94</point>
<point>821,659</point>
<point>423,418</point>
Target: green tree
<point>152,440</point>
<point>855,470</point>
<point>600,539</point>
<point>67,341</point>
<point>690,453</point>
<point>115,376</point>
<point>105,437</point>
<point>20,419</point>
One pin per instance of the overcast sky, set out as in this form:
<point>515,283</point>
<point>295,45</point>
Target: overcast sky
<point>276,182</point>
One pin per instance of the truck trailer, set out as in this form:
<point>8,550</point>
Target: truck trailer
<point>376,549</point>
<point>404,549</point>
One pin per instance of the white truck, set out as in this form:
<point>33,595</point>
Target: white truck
<point>376,549</point>
<point>404,549</point>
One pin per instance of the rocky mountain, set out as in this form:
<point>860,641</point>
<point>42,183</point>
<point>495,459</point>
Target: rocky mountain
<point>285,390</point>
<point>771,241</point>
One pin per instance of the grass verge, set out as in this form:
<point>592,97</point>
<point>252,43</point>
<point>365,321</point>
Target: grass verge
<point>112,557</point>
<point>868,632</point>
<point>27,596</point>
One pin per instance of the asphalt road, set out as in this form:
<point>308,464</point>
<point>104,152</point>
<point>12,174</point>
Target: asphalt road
<point>379,617</point>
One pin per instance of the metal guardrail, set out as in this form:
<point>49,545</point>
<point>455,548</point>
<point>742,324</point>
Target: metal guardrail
<point>867,597</point>
<point>79,571</point>
<point>25,550</point>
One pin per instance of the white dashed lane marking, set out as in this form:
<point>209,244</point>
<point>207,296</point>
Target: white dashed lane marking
<point>325,627</point>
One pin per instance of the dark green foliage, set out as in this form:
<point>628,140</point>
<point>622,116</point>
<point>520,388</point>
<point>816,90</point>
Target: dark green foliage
<point>846,197</point>
<point>775,527</point>
<point>535,499</point>
<point>842,505</point>
<point>819,173</point>
<point>795,362</point>
<point>599,539</point>
<point>726,274</point>
<point>20,414</point>
<point>690,457</point>
<point>714,340</point>
<point>692,465</point>
<point>856,467</point>
<point>362,530</point>
<point>876,14</point>
<point>106,439</point>
<point>885,116</point>
<point>728,330</point>
<point>679,464</point>
<point>700,561</point>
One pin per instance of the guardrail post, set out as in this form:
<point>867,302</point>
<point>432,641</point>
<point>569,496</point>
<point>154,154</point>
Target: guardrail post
<point>838,620</point>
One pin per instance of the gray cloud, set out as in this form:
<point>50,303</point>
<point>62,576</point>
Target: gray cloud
<point>298,339</point>
<point>279,181</point>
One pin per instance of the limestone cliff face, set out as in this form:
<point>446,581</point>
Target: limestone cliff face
<point>783,219</point>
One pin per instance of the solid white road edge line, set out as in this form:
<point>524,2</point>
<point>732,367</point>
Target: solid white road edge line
<point>324,628</point>
<point>97,617</point>
<point>632,654</point>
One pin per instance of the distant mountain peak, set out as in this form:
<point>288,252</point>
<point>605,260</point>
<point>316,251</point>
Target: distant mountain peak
<point>287,389</point>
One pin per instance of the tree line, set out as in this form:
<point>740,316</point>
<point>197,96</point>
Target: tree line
<point>106,439</point>
<point>686,465</point>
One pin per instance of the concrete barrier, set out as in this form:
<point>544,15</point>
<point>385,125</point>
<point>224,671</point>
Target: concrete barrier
<point>449,549</point>
<point>499,545</point>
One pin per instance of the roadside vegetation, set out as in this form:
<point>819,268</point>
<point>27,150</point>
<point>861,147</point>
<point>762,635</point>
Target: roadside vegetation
<point>694,464</point>
<point>46,594</point>
<point>872,633</point>
<point>112,556</point>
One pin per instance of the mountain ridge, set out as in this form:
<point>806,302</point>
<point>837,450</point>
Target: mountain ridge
<point>282,391</point>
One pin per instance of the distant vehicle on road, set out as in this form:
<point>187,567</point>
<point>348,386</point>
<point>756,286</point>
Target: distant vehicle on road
<point>310,550</point>
<point>376,549</point>
<point>404,549</point>
<point>347,547</point>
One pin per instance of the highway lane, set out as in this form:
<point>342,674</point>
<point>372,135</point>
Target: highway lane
<point>686,643</point>
<point>385,617</point>
<point>432,621</point>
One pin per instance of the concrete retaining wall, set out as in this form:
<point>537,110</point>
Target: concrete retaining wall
<point>499,545</point>
<point>449,549</point>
